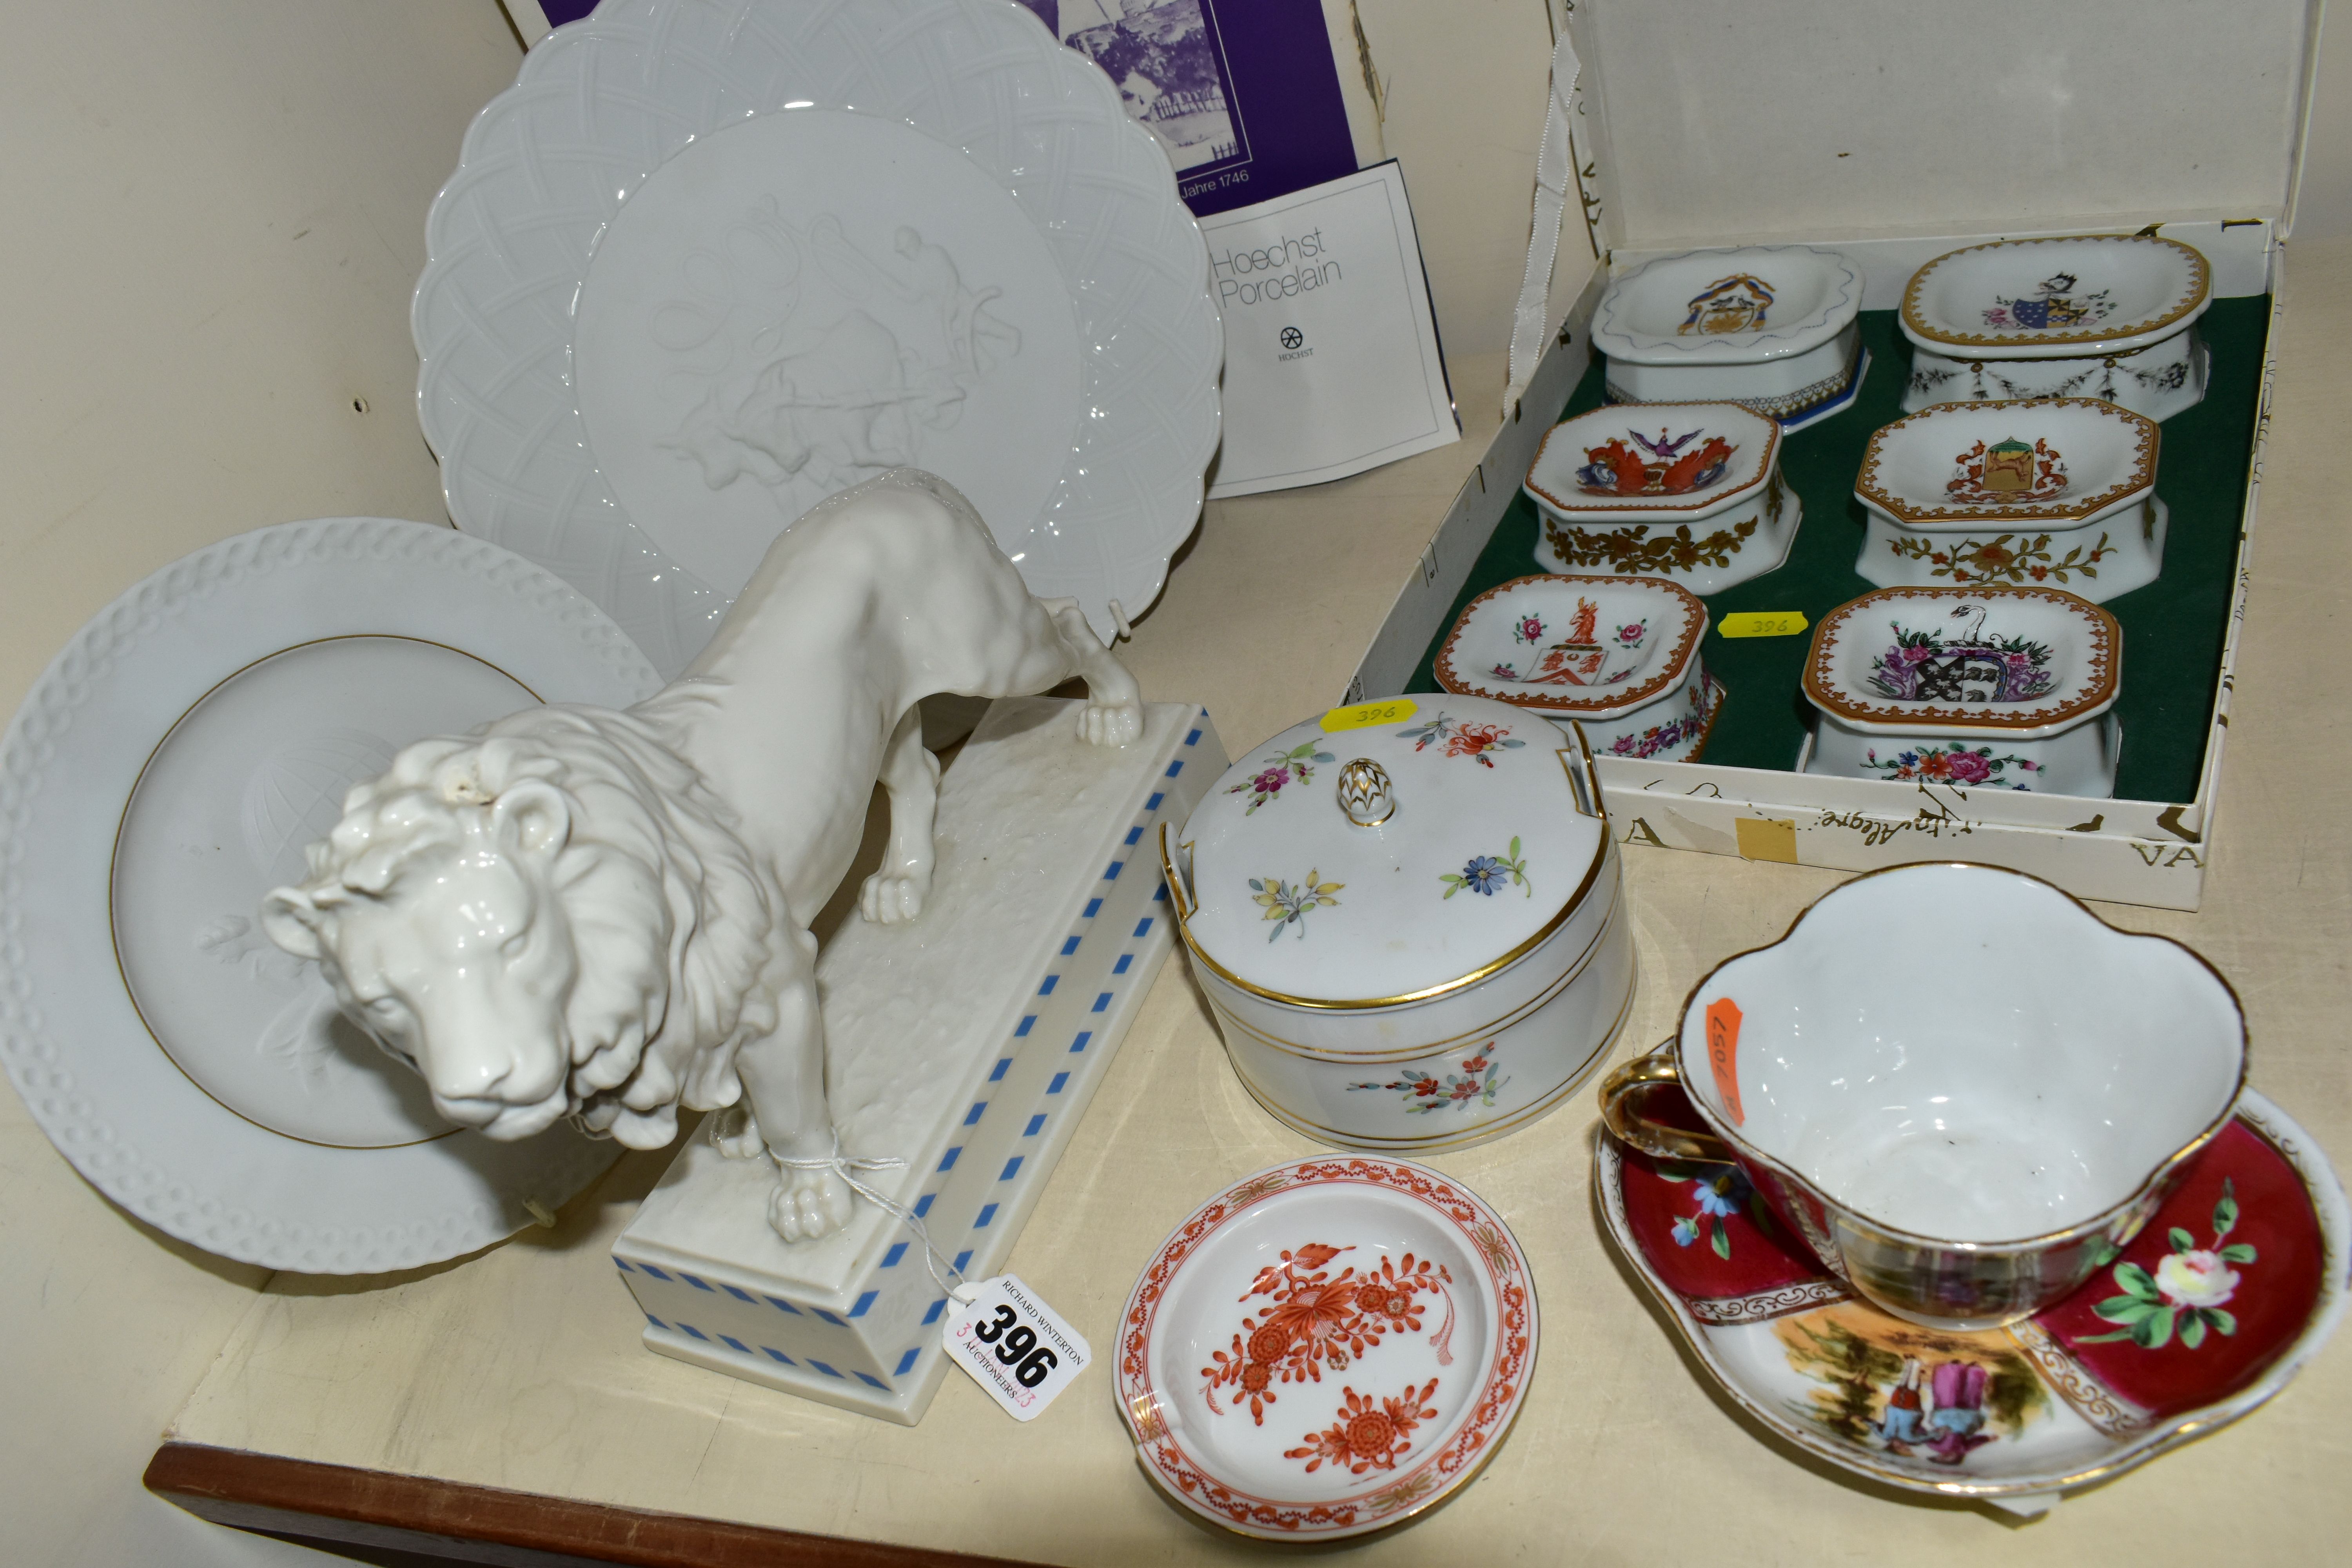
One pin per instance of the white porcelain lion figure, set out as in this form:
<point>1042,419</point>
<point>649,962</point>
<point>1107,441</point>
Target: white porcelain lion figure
<point>605,914</point>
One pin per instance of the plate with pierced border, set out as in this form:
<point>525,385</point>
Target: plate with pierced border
<point>703,265</point>
<point>1327,1348</point>
<point>2145,1358</point>
<point>168,769</point>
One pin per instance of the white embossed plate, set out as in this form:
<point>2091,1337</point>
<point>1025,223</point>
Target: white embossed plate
<point>167,770</point>
<point>704,265</point>
<point>1327,1348</point>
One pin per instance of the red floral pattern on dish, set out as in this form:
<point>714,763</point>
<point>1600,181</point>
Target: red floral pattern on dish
<point>1371,1433</point>
<point>1496,1399</point>
<point>1318,1319</point>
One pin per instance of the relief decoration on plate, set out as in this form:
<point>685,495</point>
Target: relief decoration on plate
<point>1922,667</point>
<point>2007,558</point>
<point>1733,304</point>
<point>1669,466</point>
<point>1278,770</point>
<point>834,394</point>
<point>2007,471</point>
<point>1474,1084</point>
<point>1474,741</point>
<point>1317,1319</point>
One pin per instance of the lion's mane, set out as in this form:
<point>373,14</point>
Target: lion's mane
<point>656,1015</point>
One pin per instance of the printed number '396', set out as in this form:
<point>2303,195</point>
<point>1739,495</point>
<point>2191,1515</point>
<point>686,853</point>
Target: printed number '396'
<point>1030,1361</point>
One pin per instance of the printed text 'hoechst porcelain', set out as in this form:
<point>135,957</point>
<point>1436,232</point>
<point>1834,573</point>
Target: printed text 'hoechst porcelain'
<point>1616,654</point>
<point>2051,491</point>
<point>1327,1348</point>
<point>2111,315</point>
<point>1965,1091</point>
<point>1408,919</point>
<point>1700,502</point>
<point>1967,688</point>
<point>1770,327</point>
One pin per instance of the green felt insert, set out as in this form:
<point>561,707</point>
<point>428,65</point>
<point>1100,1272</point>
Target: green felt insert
<point>2173,627</point>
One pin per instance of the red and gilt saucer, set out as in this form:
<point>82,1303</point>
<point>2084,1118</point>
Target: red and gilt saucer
<point>1327,1348</point>
<point>2213,1308</point>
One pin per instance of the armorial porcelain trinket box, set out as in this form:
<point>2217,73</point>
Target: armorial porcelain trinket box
<point>1618,655</point>
<point>1972,688</point>
<point>2051,491</point>
<point>2111,315</point>
<point>1770,327</point>
<point>1701,501</point>
<point>1408,919</point>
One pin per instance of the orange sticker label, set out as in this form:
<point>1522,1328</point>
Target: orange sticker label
<point>1723,1053</point>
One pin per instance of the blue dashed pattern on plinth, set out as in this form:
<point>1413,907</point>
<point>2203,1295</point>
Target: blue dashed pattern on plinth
<point>876,1341</point>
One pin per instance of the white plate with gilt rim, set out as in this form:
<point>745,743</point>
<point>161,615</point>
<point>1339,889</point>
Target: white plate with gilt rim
<point>703,265</point>
<point>1327,1348</point>
<point>167,770</point>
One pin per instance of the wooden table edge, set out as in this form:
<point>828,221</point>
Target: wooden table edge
<point>418,1513</point>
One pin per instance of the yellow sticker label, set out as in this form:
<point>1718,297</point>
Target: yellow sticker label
<point>1364,715</point>
<point>1762,624</point>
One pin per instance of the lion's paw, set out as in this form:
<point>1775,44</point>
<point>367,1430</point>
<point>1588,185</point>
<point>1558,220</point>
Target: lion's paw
<point>735,1134</point>
<point>1111,724</point>
<point>889,900</point>
<point>807,1204</point>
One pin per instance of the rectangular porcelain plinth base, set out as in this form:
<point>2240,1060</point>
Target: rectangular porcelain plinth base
<point>966,1043</point>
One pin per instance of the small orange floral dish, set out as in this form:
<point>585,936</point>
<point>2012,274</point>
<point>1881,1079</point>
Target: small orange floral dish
<point>1327,1348</point>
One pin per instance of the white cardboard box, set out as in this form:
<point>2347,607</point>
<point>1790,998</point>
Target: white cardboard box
<point>1949,129</point>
